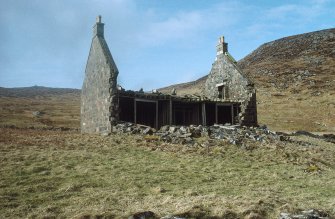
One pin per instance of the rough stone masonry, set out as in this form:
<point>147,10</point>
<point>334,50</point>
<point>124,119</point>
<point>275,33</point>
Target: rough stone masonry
<point>235,85</point>
<point>99,105</point>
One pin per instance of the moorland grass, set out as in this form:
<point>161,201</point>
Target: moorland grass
<point>66,174</point>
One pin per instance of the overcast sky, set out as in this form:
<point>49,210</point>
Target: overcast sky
<point>154,43</point>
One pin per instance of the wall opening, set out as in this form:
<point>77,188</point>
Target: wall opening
<point>186,113</point>
<point>210,113</point>
<point>146,113</point>
<point>224,114</point>
<point>236,110</point>
<point>163,113</point>
<point>221,90</point>
<point>126,109</point>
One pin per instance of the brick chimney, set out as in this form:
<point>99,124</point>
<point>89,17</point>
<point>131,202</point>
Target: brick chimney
<point>98,29</point>
<point>222,47</point>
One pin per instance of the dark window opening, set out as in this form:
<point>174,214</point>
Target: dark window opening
<point>126,109</point>
<point>146,113</point>
<point>210,114</point>
<point>186,113</point>
<point>221,92</point>
<point>163,113</point>
<point>224,114</point>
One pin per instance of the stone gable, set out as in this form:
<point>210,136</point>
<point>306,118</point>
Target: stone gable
<point>98,102</point>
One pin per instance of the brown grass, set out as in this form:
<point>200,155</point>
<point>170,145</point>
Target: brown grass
<point>57,111</point>
<point>291,111</point>
<point>66,174</point>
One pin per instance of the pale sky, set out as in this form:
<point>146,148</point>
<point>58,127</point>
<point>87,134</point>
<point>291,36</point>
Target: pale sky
<point>154,43</point>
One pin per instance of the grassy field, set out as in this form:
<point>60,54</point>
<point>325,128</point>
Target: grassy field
<point>67,174</point>
<point>287,111</point>
<point>56,111</point>
<point>50,173</point>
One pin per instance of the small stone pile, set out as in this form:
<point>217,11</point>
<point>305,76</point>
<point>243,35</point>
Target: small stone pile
<point>309,214</point>
<point>234,134</point>
<point>131,128</point>
<point>181,134</point>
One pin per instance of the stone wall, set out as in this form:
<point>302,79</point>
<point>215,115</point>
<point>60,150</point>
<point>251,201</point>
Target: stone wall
<point>98,99</point>
<point>237,87</point>
<point>225,72</point>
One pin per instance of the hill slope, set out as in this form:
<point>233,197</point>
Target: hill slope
<point>40,107</point>
<point>297,62</point>
<point>36,91</point>
<point>295,78</point>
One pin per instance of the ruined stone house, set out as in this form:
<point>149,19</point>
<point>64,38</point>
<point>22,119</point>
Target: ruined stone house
<point>228,96</point>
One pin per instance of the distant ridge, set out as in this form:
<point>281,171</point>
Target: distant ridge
<point>36,91</point>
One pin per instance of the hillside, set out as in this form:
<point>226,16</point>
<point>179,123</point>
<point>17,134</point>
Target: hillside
<point>299,62</point>
<point>294,77</point>
<point>37,91</point>
<point>40,107</point>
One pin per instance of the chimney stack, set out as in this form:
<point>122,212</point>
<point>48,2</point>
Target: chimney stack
<point>222,47</point>
<point>98,29</point>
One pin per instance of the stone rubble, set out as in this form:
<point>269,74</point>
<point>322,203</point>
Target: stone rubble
<point>233,134</point>
<point>309,214</point>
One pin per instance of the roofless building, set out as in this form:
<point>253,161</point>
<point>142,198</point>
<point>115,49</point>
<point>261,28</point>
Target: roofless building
<point>228,96</point>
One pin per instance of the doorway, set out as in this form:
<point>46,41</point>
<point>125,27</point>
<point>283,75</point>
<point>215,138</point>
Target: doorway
<point>224,114</point>
<point>146,113</point>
